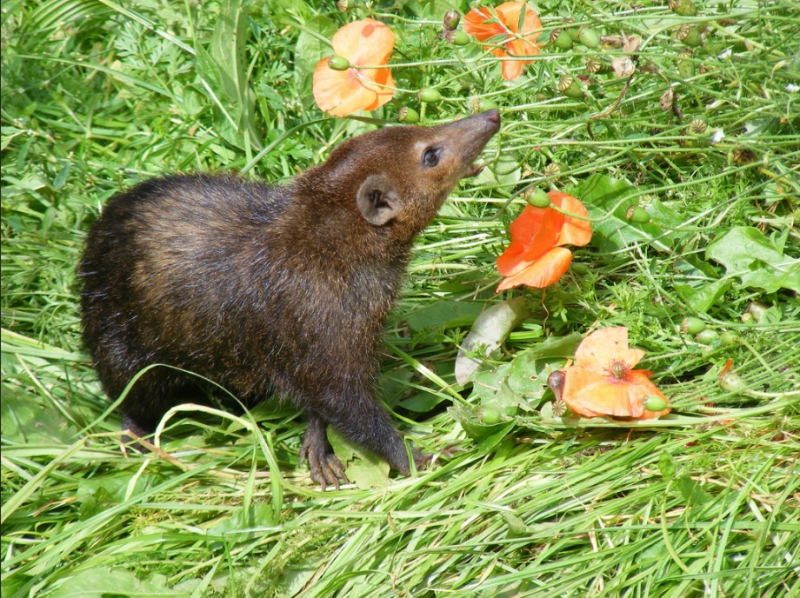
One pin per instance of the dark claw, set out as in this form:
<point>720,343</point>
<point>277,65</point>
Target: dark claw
<point>422,460</point>
<point>325,467</point>
<point>136,433</point>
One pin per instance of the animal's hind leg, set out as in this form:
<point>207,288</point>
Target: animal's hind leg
<point>325,466</point>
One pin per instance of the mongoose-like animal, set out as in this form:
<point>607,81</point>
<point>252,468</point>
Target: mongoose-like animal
<point>271,290</point>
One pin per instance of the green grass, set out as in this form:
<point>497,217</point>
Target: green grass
<point>706,502</point>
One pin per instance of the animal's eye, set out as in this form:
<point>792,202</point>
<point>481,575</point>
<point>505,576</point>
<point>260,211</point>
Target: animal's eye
<point>431,156</point>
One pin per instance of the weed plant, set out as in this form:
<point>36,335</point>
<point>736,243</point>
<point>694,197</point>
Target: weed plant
<point>98,95</point>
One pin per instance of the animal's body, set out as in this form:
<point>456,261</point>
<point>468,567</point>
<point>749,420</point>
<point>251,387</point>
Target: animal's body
<point>270,290</point>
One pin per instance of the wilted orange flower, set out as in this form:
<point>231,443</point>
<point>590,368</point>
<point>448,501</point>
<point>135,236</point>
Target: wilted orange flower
<point>517,41</point>
<point>362,43</point>
<point>602,382</point>
<point>535,256</point>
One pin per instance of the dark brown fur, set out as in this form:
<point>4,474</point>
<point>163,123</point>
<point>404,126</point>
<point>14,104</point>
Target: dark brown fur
<point>270,290</point>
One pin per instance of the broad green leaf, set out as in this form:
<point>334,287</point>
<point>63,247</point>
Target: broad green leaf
<point>313,45</point>
<point>444,314</point>
<point>105,581</point>
<point>27,419</point>
<point>750,256</point>
<point>703,297</point>
<point>476,429</point>
<point>600,193</point>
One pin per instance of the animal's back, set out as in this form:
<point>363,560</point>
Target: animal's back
<point>210,274</point>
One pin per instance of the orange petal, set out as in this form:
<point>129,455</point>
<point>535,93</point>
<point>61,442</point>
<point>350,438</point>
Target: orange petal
<point>541,273</point>
<point>640,386</point>
<point>522,47</point>
<point>364,43</point>
<point>544,240</point>
<point>509,13</point>
<point>475,23</point>
<point>575,231</point>
<point>602,347</point>
<point>591,394</point>
<point>512,69</point>
<point>383,85</point>
<point>340,92</point>
<point>524,227</point>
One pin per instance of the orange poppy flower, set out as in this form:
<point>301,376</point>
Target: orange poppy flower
<point>517,41</point>
<point>535,256</point>
<point>362,43</point>
<point>602,382</point>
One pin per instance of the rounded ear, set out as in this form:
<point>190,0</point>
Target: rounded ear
<point>378,200</point>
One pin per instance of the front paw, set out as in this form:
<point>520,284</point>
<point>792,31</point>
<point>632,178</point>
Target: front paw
<point>325,467</point>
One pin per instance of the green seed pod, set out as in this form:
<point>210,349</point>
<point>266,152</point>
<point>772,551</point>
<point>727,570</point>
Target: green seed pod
<point>758,310</point>
<point>697,127</point>
<point>460,38</point>
<point>637,215</point>
<point>684,8</point>
<point>570,87</point>
<point>706,337</point>
<point>595,66</point>
<point>692,326</point>
<point>338,63</point>
<point>561,39</point>
<point>429,95</point>
<point>552,170</point>
<point>729,339</point>
<point>732,382</point>
<point>408,115</point>
<point>589,37</point>
<point>537,198</point>
<point>686,64</point>
<point>655,403</point>
<point>489,416</point>
<point>689,35</point>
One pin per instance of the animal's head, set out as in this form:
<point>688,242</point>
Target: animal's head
<point>404,174</point>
